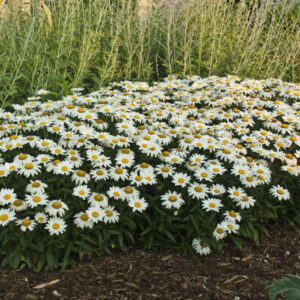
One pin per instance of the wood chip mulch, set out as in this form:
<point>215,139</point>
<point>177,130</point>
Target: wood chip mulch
<point>139,275</point>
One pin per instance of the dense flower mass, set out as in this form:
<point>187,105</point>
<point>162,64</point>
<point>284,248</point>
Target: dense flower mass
<point>72,163</point>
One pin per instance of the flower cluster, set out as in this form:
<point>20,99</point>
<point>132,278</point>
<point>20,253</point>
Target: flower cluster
<point>182,138</point>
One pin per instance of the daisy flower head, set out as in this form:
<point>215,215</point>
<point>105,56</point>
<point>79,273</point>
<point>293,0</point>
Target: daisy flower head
<point>100,174</point>
<point>110,215</point>
<point>80,177</point>
<point>204,174</point>
<point>220,232</point>
<point>63,168</point>
<point>217,189</point>
<point>56,207</point>
<point>95,214</point>
<point>36,186</point>
<point>130,192</point>
<point>30,168</point>
<point>165,170</point>
<point>56,226</point>
<point>26,224</point>
<point>201,247</point>
<point>124,160</point>
<point>138,204</point>
<point>231,226</point>
<point>232,216</point>
<point>280,193</point>
<point>137,179</point>
<point>7,196</point>
<point>212,204</point>
<point>97,199</point>
<point>6,216</point>
<point>118,173</point>
<point>41,218</point>
<point>236,193</point>
<point>116,193</point>
<point>198,191</point>
<point>82,191</point>
<point>245,202</point>
<point>18,205</point>
<point>82,220</point>
<point>172,200</point>
<point>36,199</point>
<point>180,179</point>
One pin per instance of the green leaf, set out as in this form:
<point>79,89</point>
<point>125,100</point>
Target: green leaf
<point>66,256</point>
<point>237,241</point>
<point>170,235</point>
<point>288,285</point>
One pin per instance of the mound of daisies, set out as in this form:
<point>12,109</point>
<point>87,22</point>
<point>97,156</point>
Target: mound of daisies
<point>181,163</point>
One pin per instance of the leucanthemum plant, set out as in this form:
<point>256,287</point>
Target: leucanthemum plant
<point>185,163</point>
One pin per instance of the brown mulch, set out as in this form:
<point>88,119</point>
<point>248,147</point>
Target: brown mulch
<point>231,274</point>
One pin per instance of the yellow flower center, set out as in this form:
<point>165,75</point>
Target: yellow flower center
<point>22,156</point>
<point>65,168</point>
<point>165,169</point>
<point>109,213</point>
<point>28,166</point>
<point>100,172</point>
<point>220,230</point>
<point>180,180</point>
<point>84,217</point>
<point>138,178</point>
<point>137,204</point>
<point>236,193</point>
<point>279,191</point>
<point>119,171</point>
<point>18,203</point>
<point>128,190</point>
<point>55,226</point>
<point>7,197</point>
<point>3,217</point>
<point>204,175</point>
<point>26,222</point>
<point>81,192</point>
<point>144,165</point>
<point>36,199</point>
<point>98,197</point>
<point>233,214</point>
<point>81,173</point>
<point>125,160</point>
<point>230,226</point>
<point>172,198</point>
<point>212,205</point>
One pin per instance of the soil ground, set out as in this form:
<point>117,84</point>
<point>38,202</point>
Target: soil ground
<point>139,275</point>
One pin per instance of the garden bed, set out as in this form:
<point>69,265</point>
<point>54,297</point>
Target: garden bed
<point>144,275</point>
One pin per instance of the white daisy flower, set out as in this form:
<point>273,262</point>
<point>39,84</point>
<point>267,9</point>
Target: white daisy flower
<point>165,170</point>
<point>116,192</point>
<point>180,179</point>
<point>82,191</point>
<point>220,232</point>
<point>26,224</point>
<point>7,196</point>
<point>36,186</point>
<point>18,205</point>
<point>80,177</point>
<point>56,207</point>
<point>138,204</point>
<point>117,173</point>
<point>280,193</point>
<point>56,226</point>
<point>172,199</point>
<point>6,216</point>
<point>38,198</point>
<point>204,174</point>
<point>41,218</point>
<point>212,204</point>
<point>198,191</point>
<point>245,202</point>
<point>63,168</point>
<point>201,247</point>
<point>231,227</point>
<point>110,215</point>
<point>217,189</point>
<point>232,216</point>
<point>82,220</point>
<point>100,174</point>
<point>97,199</point>
<point>31,168</point>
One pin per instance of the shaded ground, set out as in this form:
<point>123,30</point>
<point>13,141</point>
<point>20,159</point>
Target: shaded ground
<point>142,275</point>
